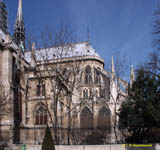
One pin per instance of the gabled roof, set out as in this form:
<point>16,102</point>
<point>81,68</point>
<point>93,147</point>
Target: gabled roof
<point>65,51</point>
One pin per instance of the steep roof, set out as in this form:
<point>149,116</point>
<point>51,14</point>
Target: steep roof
<point>65,51</point>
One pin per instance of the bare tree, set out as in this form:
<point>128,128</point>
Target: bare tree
<point>153,63</point>
<point>118,89</point>
<point>156,28</point>
<point>5,109</point>
<point>4,100</point>
<point>59,66</point>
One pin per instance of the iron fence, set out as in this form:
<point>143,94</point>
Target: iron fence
<point>79,136</point>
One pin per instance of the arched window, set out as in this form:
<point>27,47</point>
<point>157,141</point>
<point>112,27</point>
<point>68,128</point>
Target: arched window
<point>65,74</point>
<point>96,93</point>
<point>97,77</point>
<point>38,90</point>
<point>102,92</point>
<point>86,119</point>
<point>74,118</point>
<point>41,115</point>
<point>43,90</point>
<point>64,71</point>
<point>88,75</point>
<point>103,118</point>
<point>85,93</point>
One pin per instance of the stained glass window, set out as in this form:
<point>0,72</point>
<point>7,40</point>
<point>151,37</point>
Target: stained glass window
<point>41,115</point>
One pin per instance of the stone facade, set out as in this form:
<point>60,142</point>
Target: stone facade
<point>75,93</point>
<point>65,87</point>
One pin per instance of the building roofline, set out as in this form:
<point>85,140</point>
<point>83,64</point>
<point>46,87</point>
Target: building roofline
<point>68,59</point>
<point>55,46</point>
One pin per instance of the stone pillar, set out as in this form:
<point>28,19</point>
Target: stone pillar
<point>0,64</point>
<point>95,111</point>
<point>6,72</point>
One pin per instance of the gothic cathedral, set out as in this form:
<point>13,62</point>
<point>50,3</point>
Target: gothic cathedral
<point>65,87</point>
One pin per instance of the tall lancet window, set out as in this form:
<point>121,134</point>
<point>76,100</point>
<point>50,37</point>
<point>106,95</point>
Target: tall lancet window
<point>43,90</point>
<point>103,119</point>
<point>85,93</point>
<point>97,77</point>
<point>41,115</point>
<point>88,75</point>
<point>86,119</point>
<point>74,118</point>
<point>38,90</point>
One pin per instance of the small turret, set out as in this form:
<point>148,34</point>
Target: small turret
<point>33,56</point>
<point>131,75</point>
<point>113,69</point>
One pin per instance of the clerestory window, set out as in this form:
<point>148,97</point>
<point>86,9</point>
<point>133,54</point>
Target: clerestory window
<point>40,89</point>
<point>85,93</point>
<point>97,77</point>
<point>88,75</point>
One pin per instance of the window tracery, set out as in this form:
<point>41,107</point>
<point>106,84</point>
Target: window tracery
<point>88,75</point>
<point>41,115</point>
<point>97,77</point>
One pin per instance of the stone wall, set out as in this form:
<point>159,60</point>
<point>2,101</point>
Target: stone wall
<point>89,147</point>
<point>80,147</point>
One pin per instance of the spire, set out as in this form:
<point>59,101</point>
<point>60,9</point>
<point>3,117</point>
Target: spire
<point>19,13</point>
<point>131,75</point>
<point>112,69</point>
<point>113,86</point>
<point>19,29</point>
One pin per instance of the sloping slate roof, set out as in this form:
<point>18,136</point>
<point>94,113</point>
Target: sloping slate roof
<point>66,51</point>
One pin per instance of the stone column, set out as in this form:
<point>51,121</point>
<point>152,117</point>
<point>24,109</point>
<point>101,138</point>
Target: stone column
<point>6,73</point>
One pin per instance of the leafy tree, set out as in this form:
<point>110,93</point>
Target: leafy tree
<point>48,142</point>
<point>141,111</point>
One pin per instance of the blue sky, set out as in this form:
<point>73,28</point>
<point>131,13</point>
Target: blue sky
<point>114,25</point>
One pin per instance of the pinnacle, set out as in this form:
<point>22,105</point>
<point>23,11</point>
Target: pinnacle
<point>19,13</point>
